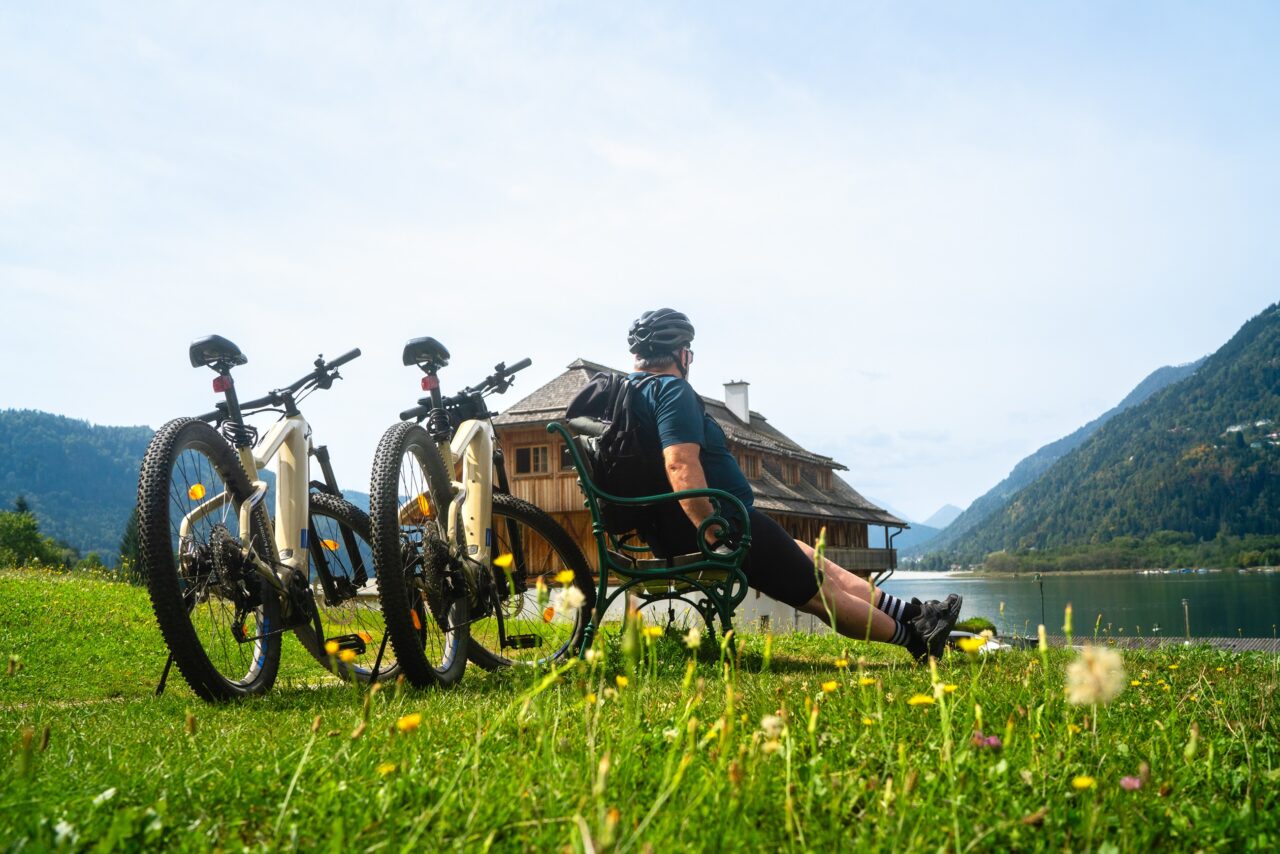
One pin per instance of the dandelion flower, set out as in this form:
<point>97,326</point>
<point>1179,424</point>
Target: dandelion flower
<point>564,576</point>
<point>693,639</point>
<point>1173,667</point>
<point>842,663</point>
<point>866,680</point>
<point>920,700</point>
<point>386,768</point>
<point>868,722</point>
<point>771,725</point>
<point>1134,683</point>
<point>1096,676</point>
<point>950,689</point>
<point>621,680</point>
<point>331,647</point>
<point>347,656</point>
<point>653,632</point>
<point>590,699</point>
<point>503,561</point>
<point>828,687</point>
<point>1084,781</point>
<point>972,645</point>
<point>409,722</point>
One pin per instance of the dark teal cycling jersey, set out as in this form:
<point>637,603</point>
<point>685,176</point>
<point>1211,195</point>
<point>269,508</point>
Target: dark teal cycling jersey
<point>680,418</point>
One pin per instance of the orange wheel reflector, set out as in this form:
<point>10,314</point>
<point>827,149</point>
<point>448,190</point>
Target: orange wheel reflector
<point>424,506</point>
<point>196,492</point>
<point>417,621</point>
<point>365,636</point>
<point>548,612</point>
<point>331,545</point>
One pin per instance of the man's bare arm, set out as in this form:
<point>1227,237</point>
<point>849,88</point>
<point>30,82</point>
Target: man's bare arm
<point>684,470</point>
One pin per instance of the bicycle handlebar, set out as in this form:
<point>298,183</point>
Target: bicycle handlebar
<point>499,381</point>
<point>323,376</point>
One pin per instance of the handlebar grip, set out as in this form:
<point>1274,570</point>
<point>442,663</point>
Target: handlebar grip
<point>415,412</point>
<point>344,358</point>
<point>520,365</point>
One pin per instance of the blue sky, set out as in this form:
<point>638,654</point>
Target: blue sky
<point>932,236</point>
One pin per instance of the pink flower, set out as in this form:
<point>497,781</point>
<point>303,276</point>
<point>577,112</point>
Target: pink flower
<point>988,742</point>
<point>1131,784</point>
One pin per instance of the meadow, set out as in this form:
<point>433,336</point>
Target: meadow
<point>796,742</point>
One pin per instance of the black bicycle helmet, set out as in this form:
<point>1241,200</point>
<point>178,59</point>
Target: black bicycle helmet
<point>664,330</point>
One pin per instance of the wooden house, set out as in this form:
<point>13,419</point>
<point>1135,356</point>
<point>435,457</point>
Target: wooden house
<point>798,488</point>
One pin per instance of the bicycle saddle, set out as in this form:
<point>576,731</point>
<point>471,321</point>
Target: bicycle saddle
<point>215,352</point>
<point>427,353</point>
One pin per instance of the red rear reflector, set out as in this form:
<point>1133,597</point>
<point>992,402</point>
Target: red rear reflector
<point>430,383</point>
<point>221,384</point>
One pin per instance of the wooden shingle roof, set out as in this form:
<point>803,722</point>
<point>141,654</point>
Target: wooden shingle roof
<point>840,502</point>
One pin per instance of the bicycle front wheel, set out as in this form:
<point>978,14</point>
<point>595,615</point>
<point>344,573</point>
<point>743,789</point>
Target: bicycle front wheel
<point>519,623</point>
<point>220,618</point>
<point>352,641</point>
<point>424,604</point>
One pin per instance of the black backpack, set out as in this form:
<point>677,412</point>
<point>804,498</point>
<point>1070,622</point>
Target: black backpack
<point>626,456</point>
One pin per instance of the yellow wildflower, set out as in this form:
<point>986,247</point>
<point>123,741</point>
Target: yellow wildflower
<point>331,647</point>
<point>920,700</point>
<point>386,768</point>
<point>590,699</point>
<point>828,687</point>
<point>972,645</point>
<point>347,656</point>
<point>1083,782</point>
<point>564,576</point>
<point>505,561</point>
<point>865,681</point>
<point>950,689</point>
<point>409,722</point>
<point>842,663</point>
<point>1134,682</point>
<point>653,632</point>
<point>621,680</point>
<point>868,722</point>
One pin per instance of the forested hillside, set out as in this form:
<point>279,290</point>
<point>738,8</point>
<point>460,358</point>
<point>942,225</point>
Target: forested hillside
<point>78,478</point>
<point>1200,458</point>
<point>1032,467</point>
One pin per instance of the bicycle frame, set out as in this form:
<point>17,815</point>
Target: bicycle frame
<point>472,504</point>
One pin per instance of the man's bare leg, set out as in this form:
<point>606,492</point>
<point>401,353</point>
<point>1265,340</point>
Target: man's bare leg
<point>851,612</point>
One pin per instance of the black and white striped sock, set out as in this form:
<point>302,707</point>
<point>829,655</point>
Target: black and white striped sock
<point>901,634</point>
<point>900,609</point>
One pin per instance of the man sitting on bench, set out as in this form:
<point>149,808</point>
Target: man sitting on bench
<point>696,456</point>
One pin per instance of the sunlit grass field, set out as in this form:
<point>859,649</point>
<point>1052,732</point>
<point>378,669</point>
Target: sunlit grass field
<point>800,742</point>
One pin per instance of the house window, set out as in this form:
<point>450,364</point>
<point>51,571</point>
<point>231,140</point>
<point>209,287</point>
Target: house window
<point>791,473</point>
<point>535,459</point>
<point>824,478</point>
<point>750,465</point>
<point>566,458</point>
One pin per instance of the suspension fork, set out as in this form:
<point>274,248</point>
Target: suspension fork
<point>359,574</point>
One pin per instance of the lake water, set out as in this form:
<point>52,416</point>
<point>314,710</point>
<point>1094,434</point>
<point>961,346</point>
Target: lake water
<point>1221,604</point>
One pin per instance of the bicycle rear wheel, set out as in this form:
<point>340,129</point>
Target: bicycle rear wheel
<point>340,574</point>
<point>220,618</point>
<point>424,604</point>
<point>532,631</point>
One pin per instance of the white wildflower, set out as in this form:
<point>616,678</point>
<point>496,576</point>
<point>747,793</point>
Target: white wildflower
<point>771,725</point>
<point>571,599</point>
<point>693,639</point>
<point>105,796</point>
<point>1095,677</point>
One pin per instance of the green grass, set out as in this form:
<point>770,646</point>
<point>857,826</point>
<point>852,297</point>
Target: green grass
<point>675,759</point>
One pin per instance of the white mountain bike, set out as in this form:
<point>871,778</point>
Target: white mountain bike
<point>226,580</point>
<point>465,569</point>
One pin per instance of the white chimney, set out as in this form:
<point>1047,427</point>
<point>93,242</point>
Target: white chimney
<point>735,397</point>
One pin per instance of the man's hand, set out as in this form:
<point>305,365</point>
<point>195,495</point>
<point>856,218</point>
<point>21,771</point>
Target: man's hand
<point>684,470</point>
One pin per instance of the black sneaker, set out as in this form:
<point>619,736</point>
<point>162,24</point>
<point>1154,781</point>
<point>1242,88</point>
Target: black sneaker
<point>933,627</point>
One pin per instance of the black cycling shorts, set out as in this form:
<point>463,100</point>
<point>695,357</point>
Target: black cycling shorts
<point>775,564</point>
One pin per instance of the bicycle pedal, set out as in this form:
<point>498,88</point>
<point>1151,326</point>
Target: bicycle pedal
<point>354,643</point>
<point>522,642</point>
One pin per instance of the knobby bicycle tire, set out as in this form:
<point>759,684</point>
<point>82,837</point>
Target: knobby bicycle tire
<point>198,585</point>
<point>426,615</point>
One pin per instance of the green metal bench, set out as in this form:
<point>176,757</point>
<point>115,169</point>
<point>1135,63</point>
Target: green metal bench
<point>712,583</point>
